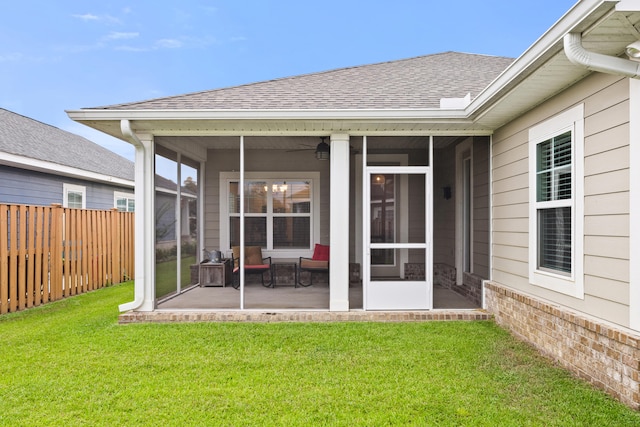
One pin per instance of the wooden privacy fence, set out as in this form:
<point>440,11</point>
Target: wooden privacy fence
<point>50,252</point>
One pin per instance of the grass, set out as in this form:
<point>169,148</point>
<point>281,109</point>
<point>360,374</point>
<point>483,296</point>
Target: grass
<point>69,363</point>
<point>166,275</point>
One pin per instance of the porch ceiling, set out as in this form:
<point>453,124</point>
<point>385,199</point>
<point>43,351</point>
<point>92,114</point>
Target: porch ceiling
<point>294,143</point>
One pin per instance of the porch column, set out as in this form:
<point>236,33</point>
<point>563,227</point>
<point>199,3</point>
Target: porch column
<point>144,287</point>
<point>339,224</point>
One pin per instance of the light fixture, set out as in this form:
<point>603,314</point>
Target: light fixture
<point>633,51</point>
<point>379,179</point>
<point>322,150</point>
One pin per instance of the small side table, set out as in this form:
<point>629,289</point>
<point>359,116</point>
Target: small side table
<point>283,270</point>
<point>216,273</point>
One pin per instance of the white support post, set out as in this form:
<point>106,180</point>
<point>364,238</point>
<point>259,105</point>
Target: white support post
<point>339,223</point>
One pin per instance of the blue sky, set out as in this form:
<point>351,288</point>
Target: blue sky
<point>69,54</point>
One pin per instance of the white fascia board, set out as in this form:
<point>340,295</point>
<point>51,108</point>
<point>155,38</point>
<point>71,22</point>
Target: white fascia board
<point>551,38</point>
<point>263,114</point>
<point>57,169</point>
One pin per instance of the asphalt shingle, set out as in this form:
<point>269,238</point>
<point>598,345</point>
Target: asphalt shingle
<point>30,138</point>
<point>418,82</point>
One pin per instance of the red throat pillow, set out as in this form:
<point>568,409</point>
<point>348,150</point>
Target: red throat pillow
<point>321,253</point>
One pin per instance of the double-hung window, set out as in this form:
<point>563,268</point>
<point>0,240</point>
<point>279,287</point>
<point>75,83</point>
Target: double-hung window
<point>280,211</point>
<point>74,196</point>
<point>556,200</point>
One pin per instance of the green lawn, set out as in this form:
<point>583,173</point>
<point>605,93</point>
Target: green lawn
<point>166,275</point>
<point>70,363</point>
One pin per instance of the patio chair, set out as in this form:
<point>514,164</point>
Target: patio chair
<point>254,263</point>
<point>318,263</point>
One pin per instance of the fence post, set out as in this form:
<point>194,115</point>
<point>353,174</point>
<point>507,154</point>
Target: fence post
<point>57,242</point>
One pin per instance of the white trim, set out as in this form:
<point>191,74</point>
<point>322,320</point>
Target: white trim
<point>123,195</point>
<point>573,120</point>
<point>313,177</point>
<point>483,294</point>
<point>66,188</point>
<point>61,170</point>
<point>461,155</point>
<point>634,204</point>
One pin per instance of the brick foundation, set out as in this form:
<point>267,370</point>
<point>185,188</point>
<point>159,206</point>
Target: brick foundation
<point>604,355</point>
<point>302,316</point>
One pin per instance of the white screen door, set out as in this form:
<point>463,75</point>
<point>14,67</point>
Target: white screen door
<point>397,265</point>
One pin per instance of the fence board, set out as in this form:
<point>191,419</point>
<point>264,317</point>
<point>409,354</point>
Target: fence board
<point>22,252</point>
<point>13,258</point>
<point>48,253</point>
<point>30,248</point>
<point>38,225</point>
<point>4,260</point>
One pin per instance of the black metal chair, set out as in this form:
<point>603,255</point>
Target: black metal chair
<point>254,263</point>
<point>319,263</point>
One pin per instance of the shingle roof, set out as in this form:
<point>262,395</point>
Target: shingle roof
<point>409,83</point>
<point>30,138</point>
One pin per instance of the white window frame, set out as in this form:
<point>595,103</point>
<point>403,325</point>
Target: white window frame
<point>67,188</point>
<point>122,195</point>
<point>572,284</point>
<point>314,180</point>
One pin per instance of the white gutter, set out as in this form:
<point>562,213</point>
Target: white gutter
<point>597,61</point>
<point>143,261</point>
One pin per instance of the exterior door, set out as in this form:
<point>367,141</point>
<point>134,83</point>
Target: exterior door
<point>396,264</point>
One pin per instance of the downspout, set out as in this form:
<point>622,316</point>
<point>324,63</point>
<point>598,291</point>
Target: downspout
<point>593,61</point>
<point>140,172</point>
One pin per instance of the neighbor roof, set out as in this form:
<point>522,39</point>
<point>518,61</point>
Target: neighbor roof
<point>23,136</point>
<point>409,83</point>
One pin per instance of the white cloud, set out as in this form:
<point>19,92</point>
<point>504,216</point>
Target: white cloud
<point>87,17</point>
<point>114,35</point>
<point>21,57</point>
<point>11,57</point>
<point>127,48</point>
<point>168,43</point>
<point>91,17</point>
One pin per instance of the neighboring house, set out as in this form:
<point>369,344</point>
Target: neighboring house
<point>516,183</point>
<point>41,164</point>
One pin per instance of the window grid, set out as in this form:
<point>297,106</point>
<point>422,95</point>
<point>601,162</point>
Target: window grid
<point>555,204</point>
<point>277,213</point>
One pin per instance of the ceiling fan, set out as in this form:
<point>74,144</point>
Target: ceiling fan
<point>322,149</point>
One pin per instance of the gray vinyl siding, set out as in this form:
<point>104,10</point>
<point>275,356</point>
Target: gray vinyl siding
<point>606,198</point>
<point>481,206</point>
<point>444,211</point>
<point>20,186</point>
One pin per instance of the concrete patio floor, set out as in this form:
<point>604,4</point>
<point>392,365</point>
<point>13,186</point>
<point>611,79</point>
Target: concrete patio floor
<point>287,297</point>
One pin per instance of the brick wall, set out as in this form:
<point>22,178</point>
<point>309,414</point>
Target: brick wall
<point>604,355</point>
